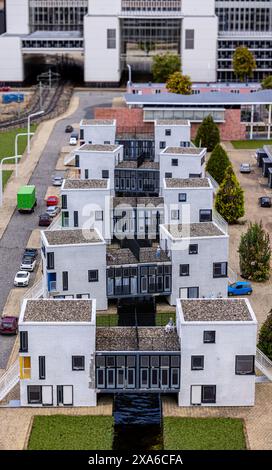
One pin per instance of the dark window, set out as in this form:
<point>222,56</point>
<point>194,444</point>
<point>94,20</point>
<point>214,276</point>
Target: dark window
<point>193,292</point>
<point>193,249</point>
<point>189,39</point>
<point>182,197</point>
<point>244,365</point>
<point>111,38</point>
<point>42,367</point>
<point>168,132</point>
<point>65,280</point>
<point>98,215</point>
<point>197,362</point>
<point>81,134</point>
<point>208,394</point>
<point>175,214</point>
<point>34,394</point>
<point>105,173</point>
<point>75,218</point>
<point>23,341</point>
<point>209,337</point>
<point>168,175</point>
<point>106,142</point>
<point>77,161</point>
<point>64,201</point>
<point>50,260</point>
<point>205,215</point>
<point>184,270</point>
<point>174,162</point>
<point>93,275</point>
<point>220,269</point>
<point>162,145</point>
<point>86,174</point>
<point>78,363</point>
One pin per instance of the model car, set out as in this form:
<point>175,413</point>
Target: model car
<point>22,278</point>
<point>45,220</point>
<point>28,263</point>
<point>265,201</point>
<point>240,288</point>
<point>52,210</point>
<point>9,325</point>
<point>245,168</point>
<point>57,180</point>
<point>52,201</point>
<point>69,128</point>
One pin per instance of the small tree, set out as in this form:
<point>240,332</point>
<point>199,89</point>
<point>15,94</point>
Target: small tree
<point>208,134</point>
<point>265,337</point>
<point>229,200</point>
<point>218,163</point>
<point>255,252</point>
<point>244,63</point>
<point>267,83</point>
<point>165,65</point>
<point>180,84</point>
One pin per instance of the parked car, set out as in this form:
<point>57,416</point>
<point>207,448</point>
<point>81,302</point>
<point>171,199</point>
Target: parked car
<point>245,168</point>
<point>73,138</point>
<point>265,201</point>
<point>240,288</point>
<point>57,180</point>
<point>53,210</point>
<point>28,263</point>
<point>69,128</point>
<point>44,220</point>
<point>9,325</point>
<point>52,201</point>
<point>22,278</point>
<point>32,252</point>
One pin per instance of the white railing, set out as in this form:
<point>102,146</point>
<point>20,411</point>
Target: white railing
<point>220,221</point>
<point>214,183</point>
<point>56,223</point>
<point>263,364</point>
<point>232,275</point>
<point>35,292</point>
<point>69,158</point>
<point>8,380</point>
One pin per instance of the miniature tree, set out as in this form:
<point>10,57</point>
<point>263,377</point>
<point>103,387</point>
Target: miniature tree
<point>218,163</point>
<point>255,253</point>
<point>244,63</point>
<point>265,337</point>
<point>180,84</point>
<point>208,134</point>
<point>229,200</point>
<point>267,83</point>
<point>165,65</point>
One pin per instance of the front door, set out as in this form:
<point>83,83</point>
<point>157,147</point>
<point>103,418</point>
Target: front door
<point>183,293</point>
<point>196,395</point>
<point>47,395</point>
<point>65,395</point>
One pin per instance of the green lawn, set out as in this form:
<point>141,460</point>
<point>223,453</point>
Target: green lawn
<point>6,175</point>
<point>203,434</point>
<point>107,320</point>
<point>250,144</point>
<point>59,432</point>
<point>163,318</point>
<point>7,142</point>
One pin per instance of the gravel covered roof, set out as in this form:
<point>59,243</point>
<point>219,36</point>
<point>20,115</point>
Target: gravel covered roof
<point>72,237</point>
<point>201,229</point>
<point>137,201</point>
<point>187,183</point>
<point>97,122</point>
<point>58,310</point>
<point>124,256</point>
<point>184,150</point>
<point>99,147</point>
<point>85,184</point>
<point>125,339</point>
<point>216,310</point>
<point>133,165</point>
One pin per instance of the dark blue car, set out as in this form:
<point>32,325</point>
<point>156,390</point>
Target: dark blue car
<point>240,288</point>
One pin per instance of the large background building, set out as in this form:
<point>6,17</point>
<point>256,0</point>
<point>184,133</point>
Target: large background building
<point>110,34</point>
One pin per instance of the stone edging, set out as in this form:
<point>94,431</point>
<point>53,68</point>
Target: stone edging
<point>29,429</point>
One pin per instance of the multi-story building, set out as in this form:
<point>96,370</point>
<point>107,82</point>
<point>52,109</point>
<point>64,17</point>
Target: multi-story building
<point>115,33</point>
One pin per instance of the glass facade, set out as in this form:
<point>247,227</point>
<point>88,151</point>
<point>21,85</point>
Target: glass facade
<point>58,15</point>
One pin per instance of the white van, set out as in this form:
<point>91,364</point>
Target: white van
<point>73,138</point>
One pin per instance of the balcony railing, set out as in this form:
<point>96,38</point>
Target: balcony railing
<point>264,364</point>
<point>35,292</point>
<point>220,221</point>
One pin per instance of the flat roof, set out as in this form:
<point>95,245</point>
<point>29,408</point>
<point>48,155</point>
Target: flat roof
<point>130,164</point>
<point>184,150</point>
<point>215,310</point>
<point>172,122</point>
<point>85,184</point>
<point>49,310</point>
<point>55,35</point>
<point>187,183</point>
<point>138,201</point>
<point>98,122</point>
<point>201,229</point>
<point>72,237</point>
<point>268,150</point>
<point>98,147</point>
<point>124,256</point>
<point>222,98</point>
<point>142,339</point>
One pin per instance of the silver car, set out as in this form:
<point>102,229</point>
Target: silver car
<point>57,180</point>
<point>53,210</point>
<point>245,168</point>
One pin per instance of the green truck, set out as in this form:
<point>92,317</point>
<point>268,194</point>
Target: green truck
<point>26,199</point>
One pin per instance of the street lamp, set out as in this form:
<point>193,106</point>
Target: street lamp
<point>28,128</point>
<point>16,148</point>
<point>1,174</point>
<point>129,75</point>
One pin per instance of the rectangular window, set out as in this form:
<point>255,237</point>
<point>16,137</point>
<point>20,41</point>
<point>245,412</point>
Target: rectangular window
<point>209,337</point>
<point>111,38</point>
<point>23,341</point>
<point>65,219</point>
<point>106,142</point>
<point>244,365</point>
<point>205,215</point>
<point>77,161</point>
<point>168,132</point>
<point>25,367</point>
<point>93,275</point>
<point>105,173</point>
<point>64,201</point>
<point>81,134</point>
<point>184,270</point>
<point>220,269</point>
<point>78,362</point>
<point>175,215</point>
<point>50,260</point>
<point>75,218</point>
<point>34,394</point>
<point>168,175</point>
<point>182,197</point>
<point>162,145</point>
<point>193,249</point>
<point>174,162</point>
<point>197,362</point>
<point>189,39</point>
<point>98,215</point>
<point>65,280</point>
<point>86,173</point>
<point>193,292</point>
<point>208,394</point>
<point>41,367</point>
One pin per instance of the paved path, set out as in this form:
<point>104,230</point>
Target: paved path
<point>15,236</point>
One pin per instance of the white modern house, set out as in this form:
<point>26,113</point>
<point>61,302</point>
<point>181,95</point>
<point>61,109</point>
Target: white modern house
<point>171,133</point>
<point>218,348</point>
<point>181,162</point>
<point>57,353</point>
<point>97,131</point>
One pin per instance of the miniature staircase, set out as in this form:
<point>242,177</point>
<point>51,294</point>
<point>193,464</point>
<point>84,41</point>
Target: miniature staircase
<point>263,364</point>
<point>69,158</point>
<point>8,380</point>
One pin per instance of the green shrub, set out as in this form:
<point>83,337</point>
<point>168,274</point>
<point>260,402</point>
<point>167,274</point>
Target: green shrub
<point>218,163</point>
<point>255,253</point>
<point>229,200</point>
<point>208,134</point>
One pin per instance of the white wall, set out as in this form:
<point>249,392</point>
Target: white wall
<point>179,133</point>
<point>11,59</point>
<point>187,164</point>
<point>58,342</point>
<point>199,7</point>
<point>104,7</point>
<point>98,134</point>
<point>17,16</point>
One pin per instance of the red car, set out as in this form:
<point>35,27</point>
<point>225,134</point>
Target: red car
<point>9,325</point>
<point>52,201</point>
<point>5,88</point>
